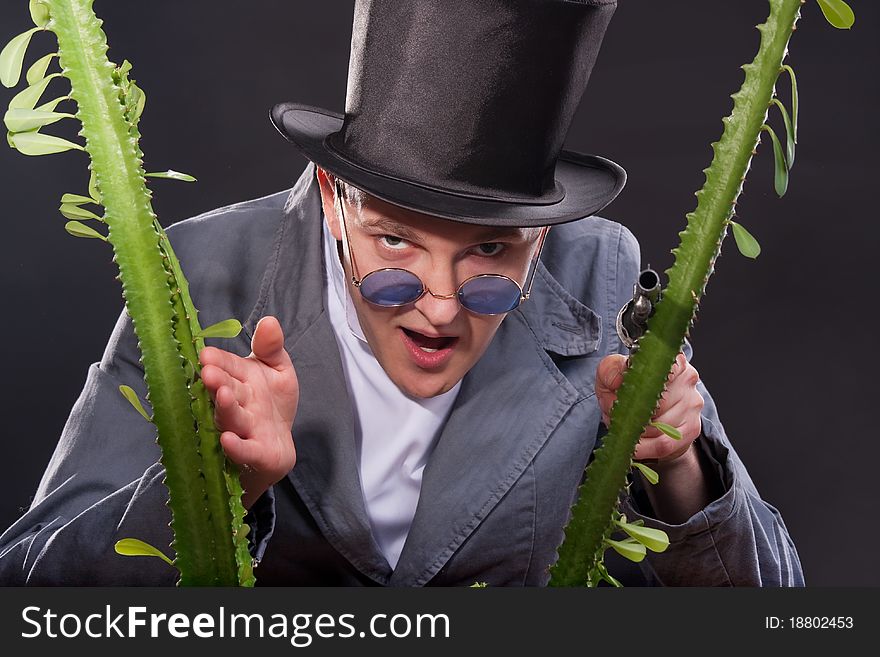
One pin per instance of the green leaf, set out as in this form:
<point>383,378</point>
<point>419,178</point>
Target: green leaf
<point>75,212</point>
<point>789,134</point>
<point>479,585</point>
<point>76,199</point>
<point>794,99</point>
<point>655,540</point>
<point>93,187</point>
<point>228,328</point>
<point>28,98</point>
<point>135,103</point>
<point>39,13</point>
<point>649,474</point>
<point>668,429</point>
<point>131,96</point>
<point>12,57</point>
<point>838,13</point>
<point>38,69</point>
<point>632,550</point>
<point>172,175</point>
<point>78,229</point>
<point>52,104</point>
<point>780,180</point>
<point>141,104</point>
<point>132,547</point>
<point>35,143</point>
<point>603,572</point>
<point>25,120</point>
<point>747,244</point>
<point>132,398</point>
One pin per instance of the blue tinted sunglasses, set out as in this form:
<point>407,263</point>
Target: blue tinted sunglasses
<point>485,294</point>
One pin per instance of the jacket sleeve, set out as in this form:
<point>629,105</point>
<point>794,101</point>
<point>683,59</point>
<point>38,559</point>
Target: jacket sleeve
<point>103,483</point>
<point>736,540</point>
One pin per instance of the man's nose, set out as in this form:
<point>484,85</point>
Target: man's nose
<point>440,304</point>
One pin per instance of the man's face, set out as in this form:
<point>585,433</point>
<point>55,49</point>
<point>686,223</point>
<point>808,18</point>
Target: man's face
<point>426,347</point>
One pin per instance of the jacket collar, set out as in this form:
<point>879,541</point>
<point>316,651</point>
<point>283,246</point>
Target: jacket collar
<point>488,441</point>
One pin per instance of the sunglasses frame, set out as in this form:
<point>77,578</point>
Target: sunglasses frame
<point>357,281</point>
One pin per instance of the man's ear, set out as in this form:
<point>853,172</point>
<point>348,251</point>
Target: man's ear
<point>326,183</point>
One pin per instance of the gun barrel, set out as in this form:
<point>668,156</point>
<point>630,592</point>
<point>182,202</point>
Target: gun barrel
<point>632,320</point>
<point>645,295</point>
<point>648,285</point>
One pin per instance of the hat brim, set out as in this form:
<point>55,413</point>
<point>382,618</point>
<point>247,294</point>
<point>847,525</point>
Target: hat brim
<point>590,182</point>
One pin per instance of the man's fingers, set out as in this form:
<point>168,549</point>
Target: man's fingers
<point>681,385</point>
<point>682,411</point>
<point>233,365</point>
<point>680,366</point>
<point>609,374</point>
<point>224,399</point>
<point>676,417</point>
<point>240,452</point>
<point>659,449</point>
<point>268,344</point>
<point>230,396</point>
<point>230,415</point>
<point>215,378</point>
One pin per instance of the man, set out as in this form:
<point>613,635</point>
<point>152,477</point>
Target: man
<point>429,347</point>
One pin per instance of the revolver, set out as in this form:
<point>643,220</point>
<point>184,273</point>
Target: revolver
<point>632,320</point>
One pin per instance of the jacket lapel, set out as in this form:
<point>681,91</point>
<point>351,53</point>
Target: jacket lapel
<point>508,406</point>
<point>326,475</point>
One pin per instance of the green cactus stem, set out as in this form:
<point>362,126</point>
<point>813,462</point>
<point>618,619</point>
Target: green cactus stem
<point>594,514</point>
<point>210,539</point>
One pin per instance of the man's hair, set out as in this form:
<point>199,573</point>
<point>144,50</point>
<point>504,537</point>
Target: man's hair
<point>358,197</point>
<point>353,195</point>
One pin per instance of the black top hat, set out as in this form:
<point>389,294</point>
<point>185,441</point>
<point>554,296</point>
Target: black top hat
<point>460,109</point>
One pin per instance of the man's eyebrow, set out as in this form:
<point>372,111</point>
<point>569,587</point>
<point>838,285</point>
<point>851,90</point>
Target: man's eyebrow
<point>391,227</point>
<point>487,234</point>
<point>491,233</point>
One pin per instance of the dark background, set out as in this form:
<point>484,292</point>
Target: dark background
<point>784,342</point>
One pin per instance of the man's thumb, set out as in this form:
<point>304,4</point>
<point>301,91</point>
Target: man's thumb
<point>609,374</point>
<point>268,343</point>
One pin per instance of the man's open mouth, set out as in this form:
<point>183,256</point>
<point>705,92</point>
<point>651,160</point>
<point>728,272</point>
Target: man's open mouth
<point>430,344</point>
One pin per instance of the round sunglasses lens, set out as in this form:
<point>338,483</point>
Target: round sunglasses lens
<point>391,287</point>
<point>490,295</point>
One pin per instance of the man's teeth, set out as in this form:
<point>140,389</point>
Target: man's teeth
<point>428,349</point>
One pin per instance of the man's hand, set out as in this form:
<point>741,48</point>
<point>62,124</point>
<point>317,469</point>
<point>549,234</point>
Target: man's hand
<point>255,402</point>
<point>680,407</point>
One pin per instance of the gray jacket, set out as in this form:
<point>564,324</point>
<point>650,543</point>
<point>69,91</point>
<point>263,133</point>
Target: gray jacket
<point>497,489</point>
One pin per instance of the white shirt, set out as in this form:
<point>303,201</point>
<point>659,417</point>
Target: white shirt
<point>395,433</point>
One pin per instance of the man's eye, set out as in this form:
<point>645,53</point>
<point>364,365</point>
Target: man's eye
<point>490,248</point>
<point>393,242</point>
